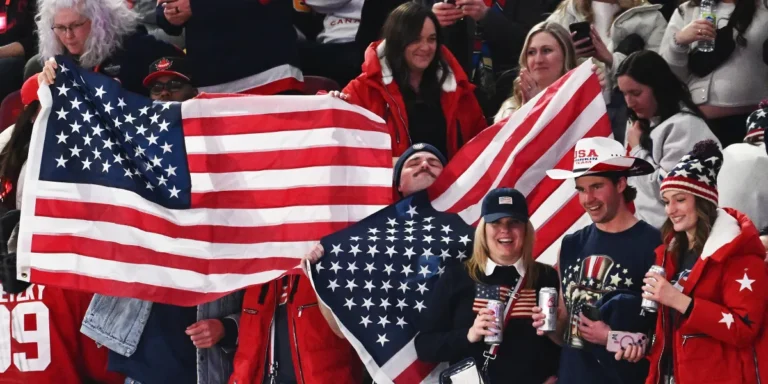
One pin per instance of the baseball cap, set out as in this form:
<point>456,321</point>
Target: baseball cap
<point>166,66</point>
<point>504,202</point>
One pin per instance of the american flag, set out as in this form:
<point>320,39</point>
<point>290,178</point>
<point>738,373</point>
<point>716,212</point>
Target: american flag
<point>377,287</point>
<point>485,293</point>
<point>184,202</point>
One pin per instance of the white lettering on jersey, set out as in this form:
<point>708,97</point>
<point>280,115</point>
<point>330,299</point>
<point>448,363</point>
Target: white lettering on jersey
<point>12,325</point>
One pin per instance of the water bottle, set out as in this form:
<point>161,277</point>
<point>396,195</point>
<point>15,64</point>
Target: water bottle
<point>707,12</point>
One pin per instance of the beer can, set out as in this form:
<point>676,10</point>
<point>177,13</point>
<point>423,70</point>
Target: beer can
<point>498,312</point>
<point>548,301</point>
<point>649,305</point>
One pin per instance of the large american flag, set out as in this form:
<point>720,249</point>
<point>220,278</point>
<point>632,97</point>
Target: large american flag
<point>377,276</point>
<point>184,202</point>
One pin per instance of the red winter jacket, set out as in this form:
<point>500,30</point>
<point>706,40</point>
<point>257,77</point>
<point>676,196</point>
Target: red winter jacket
<point>724,339</point>
<point>319,356</point>
<point>376,91</point>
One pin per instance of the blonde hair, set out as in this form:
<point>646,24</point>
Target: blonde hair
<point>584,7</point>
<point>480,255</point>
<point>569,62</point>
<point>111,21</point>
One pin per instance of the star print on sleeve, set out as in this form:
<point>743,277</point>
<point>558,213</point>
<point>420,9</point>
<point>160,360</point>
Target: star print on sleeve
<point>746,282</point>
<point>727,319</point>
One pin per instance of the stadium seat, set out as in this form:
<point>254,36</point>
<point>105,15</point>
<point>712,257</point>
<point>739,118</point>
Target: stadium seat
<point>10,109</point>
<point>314,84</point>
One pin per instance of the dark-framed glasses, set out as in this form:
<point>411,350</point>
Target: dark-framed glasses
<point>172,86</point>
<point>65,29</point>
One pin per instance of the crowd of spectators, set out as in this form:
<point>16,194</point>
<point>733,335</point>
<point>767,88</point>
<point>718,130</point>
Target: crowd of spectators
<point>438,73</point>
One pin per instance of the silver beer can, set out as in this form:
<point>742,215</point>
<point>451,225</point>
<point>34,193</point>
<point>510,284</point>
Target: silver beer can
<point>649,305</point>
<point>498,312</point>
<point>548,301</point>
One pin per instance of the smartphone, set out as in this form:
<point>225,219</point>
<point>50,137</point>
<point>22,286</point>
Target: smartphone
<point>618,340</point>
<point>590,312</point>
<point>582,32</point>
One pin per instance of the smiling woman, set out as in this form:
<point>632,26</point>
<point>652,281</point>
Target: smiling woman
<point>416,85</point>
<point>102,35</point>
<point>459,325</point>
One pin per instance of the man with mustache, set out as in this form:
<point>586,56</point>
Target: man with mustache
<point>602,266</point>
<point>272,310</point>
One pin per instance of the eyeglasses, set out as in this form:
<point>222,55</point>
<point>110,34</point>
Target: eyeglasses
<point>65,29</point>
<point>172,86</point>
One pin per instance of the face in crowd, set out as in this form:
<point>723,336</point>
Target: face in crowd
<point>545,59</point>
<point>420,53</point>
<point>171,88</point>
<point>72,29</point>
<point>505,238</point>
<point>600,197</point>
<point>639,97</point>
<point>419,172</point>
<point>680,207</point>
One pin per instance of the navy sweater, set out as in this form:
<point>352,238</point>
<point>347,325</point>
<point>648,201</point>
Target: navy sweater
<point>228,40</point>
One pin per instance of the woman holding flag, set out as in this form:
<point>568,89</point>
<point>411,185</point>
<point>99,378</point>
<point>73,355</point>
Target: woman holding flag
<point>457,323</point>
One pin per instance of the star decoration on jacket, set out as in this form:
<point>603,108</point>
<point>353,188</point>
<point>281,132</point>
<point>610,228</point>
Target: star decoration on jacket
<point>746,283</point>
<point>727,319</point>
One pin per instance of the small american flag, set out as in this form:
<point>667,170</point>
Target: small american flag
<point>184,202</point>
<point>485,292</point>
<point>377,297</point>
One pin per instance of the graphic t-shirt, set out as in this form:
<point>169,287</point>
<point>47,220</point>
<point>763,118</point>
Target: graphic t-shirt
<point>592,263</point>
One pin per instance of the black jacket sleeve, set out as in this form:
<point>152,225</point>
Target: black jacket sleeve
<point>164,24</point>
<point>437,340</point>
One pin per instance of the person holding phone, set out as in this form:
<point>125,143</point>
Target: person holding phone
<point>457,322</point>
<point>608,31</point>
<point>712,302</point>
<point>665,124</point>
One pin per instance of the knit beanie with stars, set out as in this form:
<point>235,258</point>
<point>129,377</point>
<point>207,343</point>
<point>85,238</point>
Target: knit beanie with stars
<point>757,122</point>
<point>696,173</point>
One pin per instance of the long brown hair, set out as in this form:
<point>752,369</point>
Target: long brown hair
<point>480,255</point>
<point>14,154</point>
<point>677,242</point>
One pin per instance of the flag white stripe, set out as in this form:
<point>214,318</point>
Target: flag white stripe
<point>246,106</point>
<point>534,174</point>
<point>149,274</point>
<point>127,235</point>
<point>286,140</point>
<point>457,191</point>
<point>554,202</point>
<point>348,176</point>
<point>563,146</point>
<point>90,193</point>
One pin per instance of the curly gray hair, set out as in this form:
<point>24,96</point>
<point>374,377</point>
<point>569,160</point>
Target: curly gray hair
<point>111,20</point>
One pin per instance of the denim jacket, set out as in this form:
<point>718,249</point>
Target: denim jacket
<point>117,323</point>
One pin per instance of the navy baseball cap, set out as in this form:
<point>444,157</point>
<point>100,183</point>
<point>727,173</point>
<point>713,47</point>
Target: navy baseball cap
<point>504,202</point>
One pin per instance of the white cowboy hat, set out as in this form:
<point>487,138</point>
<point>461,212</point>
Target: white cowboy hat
<point>600,155</point>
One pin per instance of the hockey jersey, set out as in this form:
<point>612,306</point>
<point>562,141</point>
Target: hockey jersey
<point>40,339</point>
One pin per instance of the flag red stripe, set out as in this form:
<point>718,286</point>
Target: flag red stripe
<point>278,122</point>
<point>302,196</point>
<point>147,292</point>
<point>460,163</point>
<point>557,127</point>
<point>208,233</point>
<point>139,255</point>
<point>560,222</point>
<point>415,373</point>
<point>288,159</point>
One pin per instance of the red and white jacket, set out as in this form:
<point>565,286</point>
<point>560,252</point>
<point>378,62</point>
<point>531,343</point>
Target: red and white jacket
<point>724,338</point>
<point>376,91</point>
<point>319,356</point>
